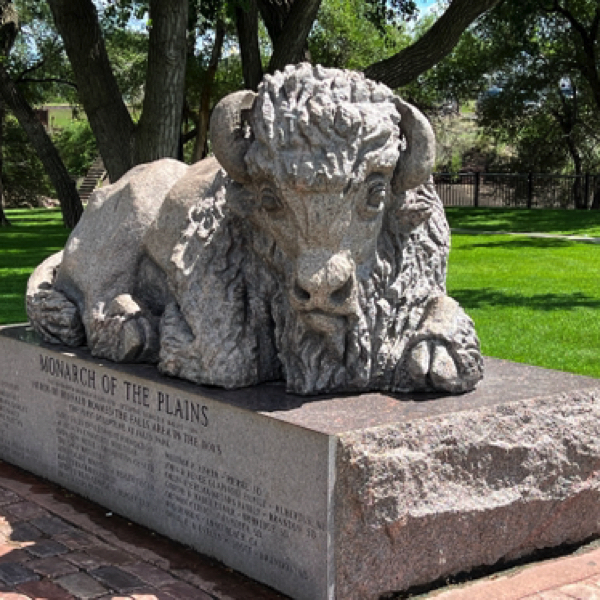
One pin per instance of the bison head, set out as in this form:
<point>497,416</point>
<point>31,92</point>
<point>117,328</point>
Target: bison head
<point>324,155</point>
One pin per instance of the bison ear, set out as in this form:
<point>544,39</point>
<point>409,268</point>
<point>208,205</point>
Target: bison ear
<point>416,162</point>
<point>229,135</point>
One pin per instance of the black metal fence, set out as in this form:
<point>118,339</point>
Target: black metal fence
<point>517,190</point>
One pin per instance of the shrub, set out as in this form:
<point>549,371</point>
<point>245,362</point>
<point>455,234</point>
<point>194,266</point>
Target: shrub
<point>23,175</point>
<point>77,146</point>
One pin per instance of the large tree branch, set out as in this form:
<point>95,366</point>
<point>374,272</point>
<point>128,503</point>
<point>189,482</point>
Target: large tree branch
<point>438,42</point>
<point>47,80</point>
<point>575,24</point>
<point>589,67</point>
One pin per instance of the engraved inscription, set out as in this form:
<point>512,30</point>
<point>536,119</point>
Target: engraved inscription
<point>155,449</point>
<point>11,408</point>
<point>233,510</point>
<point>12,411</point>
<point>95,447</point>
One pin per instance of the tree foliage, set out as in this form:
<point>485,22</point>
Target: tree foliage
<point>533,65</point>
<point>13,98</point>
<point>347,34</point>
<point>23,173</point>
<point>148,72</point>
<point>543,55</point>
<point>77,146</point>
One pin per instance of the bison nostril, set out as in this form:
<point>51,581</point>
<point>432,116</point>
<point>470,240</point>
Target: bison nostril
<point>342,294</point>
<point>300,293</point>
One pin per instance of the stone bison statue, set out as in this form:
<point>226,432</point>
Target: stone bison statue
<point>312,249</point>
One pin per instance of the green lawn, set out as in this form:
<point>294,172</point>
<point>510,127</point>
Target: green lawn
<point>533,300</point>
<point>60,116</point>
<point>34,235</point>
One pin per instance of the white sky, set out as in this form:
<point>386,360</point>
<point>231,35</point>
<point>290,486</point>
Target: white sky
<point>426,3</point>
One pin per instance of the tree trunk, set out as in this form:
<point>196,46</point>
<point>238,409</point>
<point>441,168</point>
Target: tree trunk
<point>596,200</point>
<point>274,14</point>
<point>77,23</point>
<point>247,30</point>
<point>204,112</point>
<point>578,184</point>
<point>567,120</point>
<point>289,46</point>
<point>68,197</point>
<point>9,27</point>
<point>436,43</point>
<point>4,222</point>
<point>159,128</point>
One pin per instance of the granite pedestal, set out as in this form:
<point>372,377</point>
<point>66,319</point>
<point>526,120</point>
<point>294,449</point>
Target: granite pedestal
<point>321,498</point>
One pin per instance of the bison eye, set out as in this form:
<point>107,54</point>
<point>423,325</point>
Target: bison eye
<point>376,196</point>
<point>270,202</point>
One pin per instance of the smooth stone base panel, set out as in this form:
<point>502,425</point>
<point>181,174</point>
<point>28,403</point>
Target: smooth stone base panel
<point>321,498</point>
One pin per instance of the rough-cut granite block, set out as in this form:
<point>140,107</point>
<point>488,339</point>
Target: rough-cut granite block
<point>322,498</point>
<point>420,500</point>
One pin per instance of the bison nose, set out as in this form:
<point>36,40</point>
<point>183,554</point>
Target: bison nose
<point>324,281</point>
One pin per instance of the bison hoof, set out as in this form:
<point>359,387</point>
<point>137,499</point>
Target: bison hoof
<point>125,333</point>
<point>446,354</point>
<point>431,365</point>
<point>51,313</point>
<point>55,317</point>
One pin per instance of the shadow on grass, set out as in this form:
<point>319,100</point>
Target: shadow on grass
<point>523,220</point>
<point>486,297</point>
<point>511,243</point>
<point>29,260</point>
<point>18,237</point>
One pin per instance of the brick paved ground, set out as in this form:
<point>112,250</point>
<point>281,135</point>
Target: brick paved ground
<point>574,577</point>
<point>55,545</point>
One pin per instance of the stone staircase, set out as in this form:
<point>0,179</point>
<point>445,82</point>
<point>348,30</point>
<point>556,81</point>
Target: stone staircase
<point>95,175</point>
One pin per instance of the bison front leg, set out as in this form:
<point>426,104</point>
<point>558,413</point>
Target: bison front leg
<point>124,332</point>
<point>444,353</point>
<point>50,312</point>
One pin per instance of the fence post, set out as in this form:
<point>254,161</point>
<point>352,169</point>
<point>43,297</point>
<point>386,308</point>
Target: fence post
<point>476,190</point>
<point>587,191</point>
<point>529,189</point>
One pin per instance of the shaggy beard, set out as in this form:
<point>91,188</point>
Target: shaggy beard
<point>342,361</point>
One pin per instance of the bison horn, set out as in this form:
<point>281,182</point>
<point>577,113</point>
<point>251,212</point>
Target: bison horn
<point>228,134</point>
<point>416,162</point>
